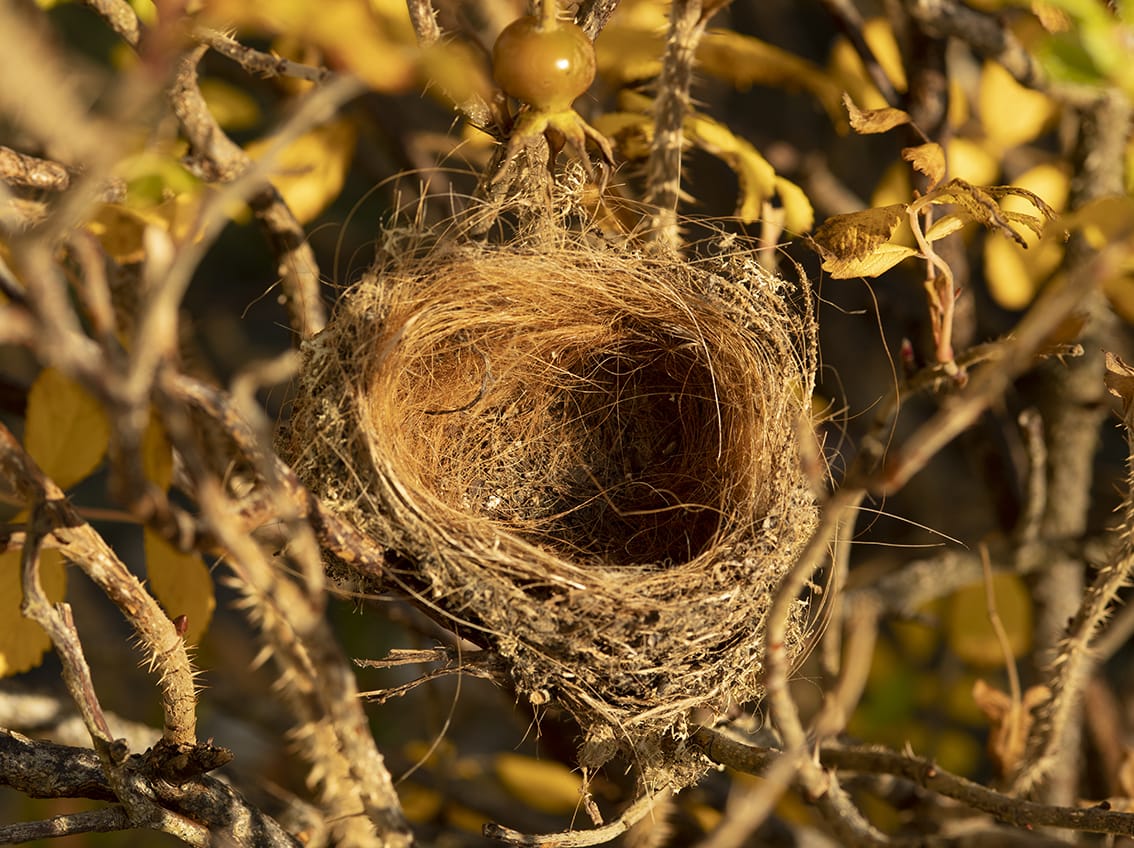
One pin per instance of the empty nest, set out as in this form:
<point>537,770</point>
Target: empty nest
<point>589,457</point>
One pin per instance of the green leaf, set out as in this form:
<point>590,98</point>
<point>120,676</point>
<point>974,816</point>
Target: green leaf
<point>66,431</point>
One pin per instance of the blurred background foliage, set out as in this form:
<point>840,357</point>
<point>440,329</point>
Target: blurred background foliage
<point>770,141</point>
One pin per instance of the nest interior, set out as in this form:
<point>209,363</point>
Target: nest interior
<point>589,455</point>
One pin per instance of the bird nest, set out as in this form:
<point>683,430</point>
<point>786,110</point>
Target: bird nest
<point>588,455</point>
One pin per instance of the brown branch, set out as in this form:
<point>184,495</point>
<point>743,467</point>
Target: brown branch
<point>20,169</point>
<point>580,838</point>
<point>202,809</point>
<point>928,775</point>
<point>104,820</point>
<point>983,32</point>
<point>259,63</point>
<point>164,648</point>
<point>121,17</point>
<point>220,159</point>
<point>687,23</point>
<point>357,794</point>
<point>1031,334</point>
<point>850,22</point>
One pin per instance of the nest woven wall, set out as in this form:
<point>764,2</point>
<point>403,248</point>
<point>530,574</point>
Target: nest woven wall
<point>589,457</point>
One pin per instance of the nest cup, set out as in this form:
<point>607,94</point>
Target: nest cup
<point>589,456</point>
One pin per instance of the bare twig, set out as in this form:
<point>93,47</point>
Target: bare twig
<point>42,769</point>
<point>20,169</point>
<point>663,168</point>
<point>121,17</point>
<point>223,160</point>
<point>104,820</point>
<point>259,63</point>
<point>580,838</point>
<point>847,16</point>
<point>928,775</point>
<point>358,798</point>
<point>961,411</point>
<point>165,649</point>
<point>1071,402</point>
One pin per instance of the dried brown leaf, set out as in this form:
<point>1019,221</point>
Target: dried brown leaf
<point>857,234</point>
<point>928,159</point>
<point>1120,383</point>
<point>871,121</point>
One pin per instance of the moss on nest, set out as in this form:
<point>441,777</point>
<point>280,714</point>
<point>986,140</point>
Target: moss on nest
<point>589,456</point>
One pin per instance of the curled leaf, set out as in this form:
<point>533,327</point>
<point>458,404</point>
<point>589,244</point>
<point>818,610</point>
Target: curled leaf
<point>857,234</point>
<point>1120,383</point>
<point>928,159</point>
<point>872,121</point>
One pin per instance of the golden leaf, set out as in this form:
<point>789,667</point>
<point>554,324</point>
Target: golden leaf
<point>970,634</point>
<point>877,262</point>
<point>971,162</point>
<point>872,121</point>
<point>846,65</point>
<point>157,455</point>
<point>856,234</point>
<point>944,226</point>
<point>234,108</point>
<point>23,643</point>
<point>1010,113</point>
<point>928,159</point>
<point>799,216</point>
<point>625,53</point>
<point>371,38</point>
<point>66,431</point>
<point>745,61</point>
<point>309,172</point>
<point>181,582</point>
<point>1006,269</point>
<point>1011,722</point>
<point>1119,380</point>
<point>540,784</point>
<point>756,176</point>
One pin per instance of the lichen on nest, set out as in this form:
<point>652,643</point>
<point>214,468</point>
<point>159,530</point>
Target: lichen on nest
<point>588,453</point>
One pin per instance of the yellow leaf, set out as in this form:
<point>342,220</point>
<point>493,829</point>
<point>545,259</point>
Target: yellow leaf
<point>456,70</point>
<point>540,784</point>
<point>66,431</point>
<point>879,35</point>
<point>419,803</point>
<point>970,633</point>
<point>877,262</point>
<point>846,65</point>
<point>856,234</point>
<point>970,162</point>
<point>1010,113</point>
<point>944,226</point>
<point>181,582</point>
<point>745,61</point>
<point>625,54</point>
<point>799,216</point>
<point>872,121</point>
<point>928,159</point>
<point>374,40</point>
<point>233,108</point>
<point>1120,291</point>
<point>157,455</point>
<point>757,177</point>
<point>309,173</point>
<point>23,642</point>
<point>1049,181</point>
